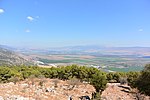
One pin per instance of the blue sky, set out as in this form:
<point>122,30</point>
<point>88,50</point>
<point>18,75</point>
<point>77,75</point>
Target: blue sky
<point>54,23</point>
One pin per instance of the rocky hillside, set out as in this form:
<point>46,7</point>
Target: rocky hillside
<point>55,89</point>
<point>8,57</point>
<point>116,91</point>
<point>45,89</point>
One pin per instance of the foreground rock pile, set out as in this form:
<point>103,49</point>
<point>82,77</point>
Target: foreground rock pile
<point>55,89</point>
<point>44,89</point>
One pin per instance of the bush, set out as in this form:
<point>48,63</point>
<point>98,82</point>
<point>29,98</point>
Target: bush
<point>99,82</point>
<point>143,82</point>
<point>96,96</point>
<point>123,80</point>
<point>132,78</point>
<point>5,74</point>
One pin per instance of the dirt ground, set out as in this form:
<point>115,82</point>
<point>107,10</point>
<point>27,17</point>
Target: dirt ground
<point>115,91</point>
<point>55,89</point>
<point>44,89</point>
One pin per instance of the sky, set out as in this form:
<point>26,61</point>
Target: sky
<point>55,23</point>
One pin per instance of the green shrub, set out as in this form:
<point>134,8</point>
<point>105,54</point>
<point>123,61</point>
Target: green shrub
<point>143,82</point>
<point>98,80</point>
<point>132,78</point>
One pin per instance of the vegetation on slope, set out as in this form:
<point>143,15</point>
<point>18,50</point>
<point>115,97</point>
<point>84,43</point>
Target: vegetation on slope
<point>95,77</point>
<point>143,82</point>
<point>92,75</point>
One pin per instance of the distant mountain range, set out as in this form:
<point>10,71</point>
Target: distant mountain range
<point>91,50</point>
<point>85,50</point>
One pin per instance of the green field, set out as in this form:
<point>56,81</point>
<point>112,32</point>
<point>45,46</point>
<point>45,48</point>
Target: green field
<point>110,63</point>
<point>133,68</point>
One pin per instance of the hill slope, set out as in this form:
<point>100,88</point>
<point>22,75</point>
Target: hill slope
<point>116,91</point>
<point>55,89</point>
<point>8,57</point>
<point>44,89</point>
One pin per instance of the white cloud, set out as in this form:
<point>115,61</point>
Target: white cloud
<point>27,31</point>
<point>1,11</point>
<point>30,18</point>
<point>140,30</point>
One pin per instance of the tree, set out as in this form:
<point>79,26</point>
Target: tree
<point>110,76</point>
<point>143,82</point>
<point>132,78</point>
<point>99,82</point>
<point>5,74</point>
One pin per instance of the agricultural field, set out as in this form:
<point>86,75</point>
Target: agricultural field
<point>111,63</point>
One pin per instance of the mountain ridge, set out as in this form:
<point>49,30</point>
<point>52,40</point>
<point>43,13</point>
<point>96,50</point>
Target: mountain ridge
<point>9,57</point>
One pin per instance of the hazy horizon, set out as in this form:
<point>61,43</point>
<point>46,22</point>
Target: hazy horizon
<point>44,24</point>
<point>70,46</point>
